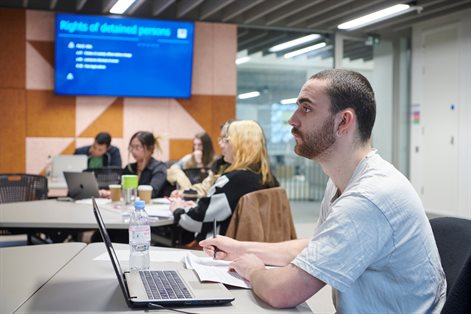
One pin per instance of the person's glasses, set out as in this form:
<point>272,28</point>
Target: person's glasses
<point>135,148</point>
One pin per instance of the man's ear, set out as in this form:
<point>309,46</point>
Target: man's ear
<point>346,121</point>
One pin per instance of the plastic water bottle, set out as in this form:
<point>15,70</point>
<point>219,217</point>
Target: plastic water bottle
<point>139,238</point>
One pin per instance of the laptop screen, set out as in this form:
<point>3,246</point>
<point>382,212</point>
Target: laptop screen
<point>110,249</point>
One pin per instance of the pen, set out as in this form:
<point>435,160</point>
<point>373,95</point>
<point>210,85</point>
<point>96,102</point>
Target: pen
<point>214,236</point>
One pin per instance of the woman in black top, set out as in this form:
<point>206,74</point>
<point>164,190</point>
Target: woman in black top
<point>150,170</point>
<point>245,149</point>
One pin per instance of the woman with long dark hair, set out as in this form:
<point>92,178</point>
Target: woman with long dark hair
<point>149,170</point>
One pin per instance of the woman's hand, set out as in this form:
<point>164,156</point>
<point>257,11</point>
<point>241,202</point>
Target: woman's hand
<point>180,203</point>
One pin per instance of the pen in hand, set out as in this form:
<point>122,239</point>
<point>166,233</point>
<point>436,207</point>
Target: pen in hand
<point>214,236</point>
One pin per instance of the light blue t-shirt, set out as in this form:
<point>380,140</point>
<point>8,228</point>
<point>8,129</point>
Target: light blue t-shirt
<point>374,245</point>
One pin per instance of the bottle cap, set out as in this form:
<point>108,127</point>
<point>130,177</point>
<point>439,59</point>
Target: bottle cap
<point>139,204</point>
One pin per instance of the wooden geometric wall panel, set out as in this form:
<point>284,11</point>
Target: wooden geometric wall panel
<point>12,48</point>
<point>203,54</point>
<point>40,25</point>
<point>199,107</point>
<point>224,67</point>
<point>210,112</point>
<point>224,108</point>
<point>162,116</point>
<point>88,109</point>
<point>39,69</point>
<point>45,49</point>
<point>38,149</point>
<point>179,148</point>
<point>111,120</point>
<point>13,130</point>
<point>49,115</point>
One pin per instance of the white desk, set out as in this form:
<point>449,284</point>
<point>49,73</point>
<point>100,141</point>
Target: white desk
<point>25,269</point>
<point>88,286</point>
<point>53,214</point>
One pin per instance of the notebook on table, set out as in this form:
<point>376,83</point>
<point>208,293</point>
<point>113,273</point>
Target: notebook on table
<point>163,285</point>
<point>81,185</point>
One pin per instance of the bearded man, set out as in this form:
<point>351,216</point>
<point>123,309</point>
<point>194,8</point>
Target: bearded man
<point>373,242</point>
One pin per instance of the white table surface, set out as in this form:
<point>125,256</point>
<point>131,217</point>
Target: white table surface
<point>86,285</point>
<point>66,215</point>
<point>25,269</point>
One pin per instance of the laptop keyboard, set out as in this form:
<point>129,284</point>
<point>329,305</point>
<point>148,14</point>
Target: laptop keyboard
<point>161,285</point>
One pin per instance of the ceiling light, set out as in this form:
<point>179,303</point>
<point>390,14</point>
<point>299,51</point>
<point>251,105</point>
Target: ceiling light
<point>288,101</point>
<point>242,60</point>
<point>378,16</point>
<point>294,42</point>
<point>121,6</point>
<point>249,95</point>
<point>304,50</point>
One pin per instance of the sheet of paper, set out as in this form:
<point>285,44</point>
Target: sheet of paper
<point>153,210</point>
<point>159,210</point>
<point>209,269</point>
<point>160,201</point>
<point>155,256</point>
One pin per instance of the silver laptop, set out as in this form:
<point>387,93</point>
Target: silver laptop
<point>168,285</point>
<point>69,163</point>
<point>81,185</point>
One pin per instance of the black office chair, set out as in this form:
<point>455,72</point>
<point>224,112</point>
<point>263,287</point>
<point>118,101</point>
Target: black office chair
<point>20,187</point>
<point>453,238</point>
<point>106,176</point>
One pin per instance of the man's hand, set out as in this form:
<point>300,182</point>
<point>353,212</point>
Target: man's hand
<point>246,265</point>
<point>105,193</point>
<point>226,248</point>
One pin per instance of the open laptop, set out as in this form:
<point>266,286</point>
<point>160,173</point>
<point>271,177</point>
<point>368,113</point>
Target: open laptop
<point>69,163</point>
<point>81,185</point>
<point>138,286</point>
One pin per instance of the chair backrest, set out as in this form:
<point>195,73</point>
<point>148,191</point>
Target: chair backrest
<point>19,187</point>
<point>106,176</point>
<point>453,238</point>
<point>196,175</point>
<point>263,215</point>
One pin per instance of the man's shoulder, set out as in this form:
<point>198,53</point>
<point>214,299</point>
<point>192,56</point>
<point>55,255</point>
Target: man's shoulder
<point>113,149</point>
<point>82,150</point>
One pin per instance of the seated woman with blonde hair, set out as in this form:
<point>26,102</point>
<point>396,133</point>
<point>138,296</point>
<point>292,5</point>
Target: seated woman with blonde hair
<point>244,148</point>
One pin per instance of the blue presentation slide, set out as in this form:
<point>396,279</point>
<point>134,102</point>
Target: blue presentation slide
<point>97,55</point>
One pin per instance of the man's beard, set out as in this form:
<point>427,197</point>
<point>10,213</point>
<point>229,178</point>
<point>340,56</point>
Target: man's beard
<point>317,142</point>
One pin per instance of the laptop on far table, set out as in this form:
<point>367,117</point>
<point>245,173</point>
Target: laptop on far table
<point>69,163</point>
<point>163,286</point>
<point>81,185</point>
